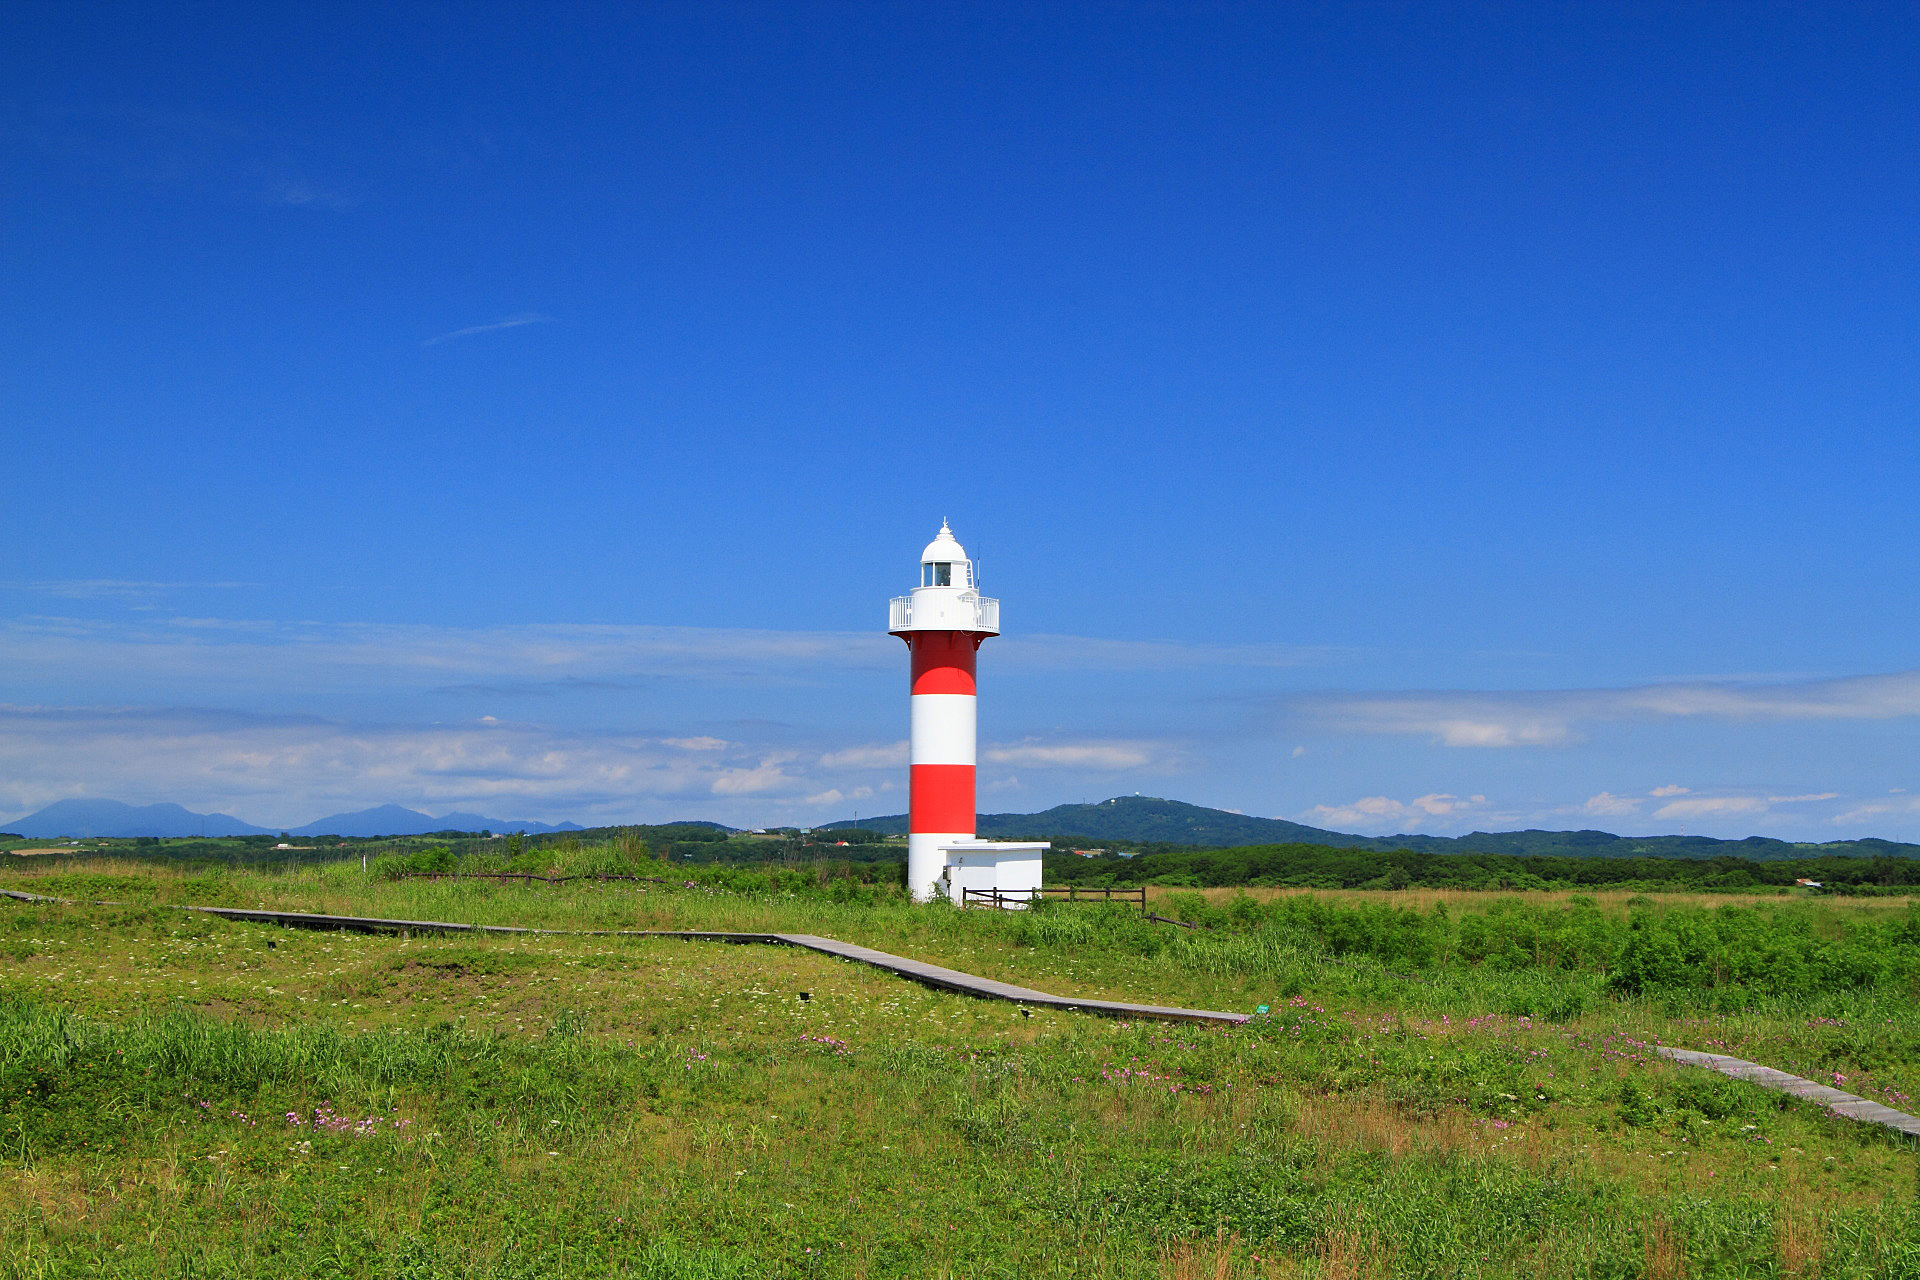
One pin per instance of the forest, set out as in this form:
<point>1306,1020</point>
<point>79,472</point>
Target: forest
<point>1319,867</point>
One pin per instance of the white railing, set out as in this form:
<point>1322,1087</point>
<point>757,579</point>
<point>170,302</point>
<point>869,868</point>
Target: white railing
<point>946,612</point>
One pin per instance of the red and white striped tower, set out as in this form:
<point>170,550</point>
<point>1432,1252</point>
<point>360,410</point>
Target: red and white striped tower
<point>944,621</point>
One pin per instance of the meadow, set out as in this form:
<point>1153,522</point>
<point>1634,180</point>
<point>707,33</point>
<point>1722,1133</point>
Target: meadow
<point>1444,1084</point>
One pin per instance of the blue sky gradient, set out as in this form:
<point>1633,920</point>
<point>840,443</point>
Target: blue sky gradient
<point>1396,418</point>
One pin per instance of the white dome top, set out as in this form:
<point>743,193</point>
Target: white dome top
<point>943,549</point>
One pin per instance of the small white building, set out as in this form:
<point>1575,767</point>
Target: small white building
<point>1009,869</point>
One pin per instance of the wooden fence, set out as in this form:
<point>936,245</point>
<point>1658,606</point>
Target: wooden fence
<point>1071,893</point>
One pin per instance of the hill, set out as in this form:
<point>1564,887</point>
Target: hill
<point>1150,820</point>
<point>1141,819</point>
<point>113,819</point>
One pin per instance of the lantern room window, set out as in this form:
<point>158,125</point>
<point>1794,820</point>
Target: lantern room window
<point>936,575</point>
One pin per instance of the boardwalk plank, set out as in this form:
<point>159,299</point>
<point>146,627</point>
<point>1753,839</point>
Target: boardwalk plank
<point>1850,1105</point>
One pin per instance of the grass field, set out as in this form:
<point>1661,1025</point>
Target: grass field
<point>1445,1085</point>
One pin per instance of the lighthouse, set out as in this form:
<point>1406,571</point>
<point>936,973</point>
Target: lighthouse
<point>944,621</point>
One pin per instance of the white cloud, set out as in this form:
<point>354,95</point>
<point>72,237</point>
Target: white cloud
<point>765,778</point>
<point>1489,733</point>
<point>1695,807</point>
<point>837,796</point>
<point>1877,811</point>
<point>1710,807</point>
<point>1524,718</point>
<point>1390,815</point>
<point>1608,805</point>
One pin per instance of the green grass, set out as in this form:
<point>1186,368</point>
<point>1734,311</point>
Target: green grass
<point>585,1106</point>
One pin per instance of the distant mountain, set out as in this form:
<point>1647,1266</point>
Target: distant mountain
<point>111,818</point>
<point>1142,818</point>
<point>1147,819</point>
<point>466,821</point>
<point>393,820</point>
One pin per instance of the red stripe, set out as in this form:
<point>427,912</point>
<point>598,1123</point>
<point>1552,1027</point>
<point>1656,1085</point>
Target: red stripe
<point>940,798</point>
<point>943,663</point>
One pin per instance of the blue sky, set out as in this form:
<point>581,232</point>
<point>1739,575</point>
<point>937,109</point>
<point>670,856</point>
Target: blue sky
<point>1391,417</point>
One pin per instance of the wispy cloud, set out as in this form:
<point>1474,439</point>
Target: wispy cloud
<point>1709,807</point>
<point>1608,805</point>
<point>199,657</point>
<point>887,755</point>
<point>180,152</point>
<point>1085,653</point>
<point>124,590</point>
<point>508,322</point>
<point>1677,804</point>
<point>1078,755</point>
<point>1658,811</point>
<point>1527,718</point>
<point>836,796</point>
<point>307,195</point>
<point>1896,805</point>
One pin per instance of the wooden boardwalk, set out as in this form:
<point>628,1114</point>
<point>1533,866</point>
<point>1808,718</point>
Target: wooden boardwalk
<point>1837,1101</point>
<point>1850,1105</point>
<point>965,983</point>
<point>932,975</point>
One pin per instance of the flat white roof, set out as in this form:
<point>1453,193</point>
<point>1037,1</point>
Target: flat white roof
<point>995,846</point>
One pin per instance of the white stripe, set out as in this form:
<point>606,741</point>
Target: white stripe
<point>925,862</point>
<point>943,728</point>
